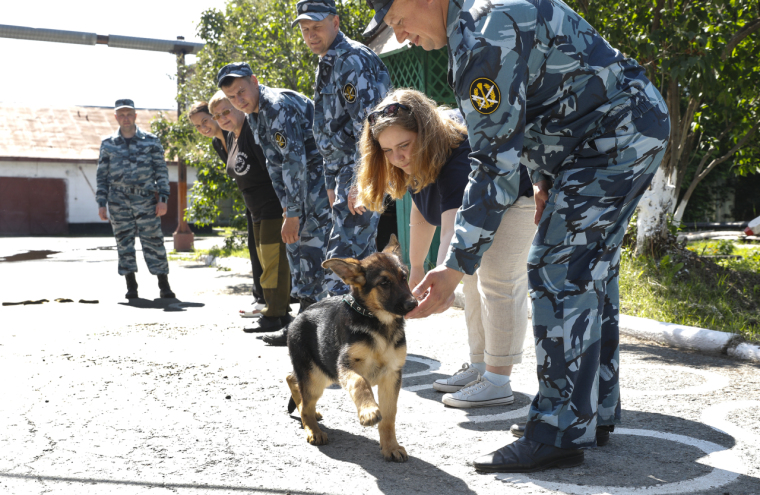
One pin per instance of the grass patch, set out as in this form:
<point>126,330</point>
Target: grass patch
<point>688,289</point>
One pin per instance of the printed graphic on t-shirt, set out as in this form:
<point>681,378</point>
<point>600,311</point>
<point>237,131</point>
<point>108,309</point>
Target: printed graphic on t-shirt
<point>241,164</point>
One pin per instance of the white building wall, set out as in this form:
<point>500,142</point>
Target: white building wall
<point>80,196</point>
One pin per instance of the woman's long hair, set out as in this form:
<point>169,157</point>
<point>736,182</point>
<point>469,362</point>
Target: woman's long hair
<point>437,136</point>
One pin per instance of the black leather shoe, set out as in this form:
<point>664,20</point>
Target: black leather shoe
<point>265,324</point>
<point>527,456</point>
<point>602,432</point>
<point>276,339</point>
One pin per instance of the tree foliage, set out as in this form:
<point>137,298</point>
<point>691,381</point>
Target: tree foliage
<point>257,32</point>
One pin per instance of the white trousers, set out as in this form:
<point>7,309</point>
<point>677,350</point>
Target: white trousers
<point>496,295</point>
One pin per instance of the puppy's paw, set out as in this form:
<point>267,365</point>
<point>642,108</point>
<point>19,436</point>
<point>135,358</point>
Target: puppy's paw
<point>316,437</point>
<point>370,416</point>
<point>395,453</point>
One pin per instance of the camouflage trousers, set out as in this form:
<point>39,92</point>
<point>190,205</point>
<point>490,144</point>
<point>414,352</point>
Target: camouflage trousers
<point>135,214</point>
<point>573,268</point>
<point>352,236</point>
<point>307,254</point>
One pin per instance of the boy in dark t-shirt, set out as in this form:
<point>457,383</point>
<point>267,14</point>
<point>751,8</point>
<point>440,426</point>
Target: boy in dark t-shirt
<point>247,165</point>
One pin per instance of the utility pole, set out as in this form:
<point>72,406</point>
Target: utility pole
<point>183,236</point>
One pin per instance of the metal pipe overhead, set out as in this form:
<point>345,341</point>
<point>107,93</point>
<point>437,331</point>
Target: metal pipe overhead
<point>113,40</point>
<point>56,35</point>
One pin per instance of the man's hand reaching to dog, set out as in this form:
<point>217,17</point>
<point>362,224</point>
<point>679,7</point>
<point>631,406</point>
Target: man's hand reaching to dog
<point>436,291</point>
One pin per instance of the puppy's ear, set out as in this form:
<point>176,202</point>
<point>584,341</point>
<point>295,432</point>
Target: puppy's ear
<point>393,247</point>
<point>348,269</point>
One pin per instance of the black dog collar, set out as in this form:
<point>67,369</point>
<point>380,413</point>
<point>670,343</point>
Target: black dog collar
<point>351,301</point>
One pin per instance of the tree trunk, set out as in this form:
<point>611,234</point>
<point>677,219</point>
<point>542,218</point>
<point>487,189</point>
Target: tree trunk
<point>655,207</point>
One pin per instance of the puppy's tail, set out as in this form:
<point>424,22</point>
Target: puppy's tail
<point>291,405</point>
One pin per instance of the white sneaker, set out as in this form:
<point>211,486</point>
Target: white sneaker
<point>458,380</point>
<point>254,311</point>
<point>481,393</point>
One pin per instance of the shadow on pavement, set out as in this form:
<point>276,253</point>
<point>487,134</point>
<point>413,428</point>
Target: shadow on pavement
<point>165,304</point>
<point>391,477</point>
<point>175,486</point>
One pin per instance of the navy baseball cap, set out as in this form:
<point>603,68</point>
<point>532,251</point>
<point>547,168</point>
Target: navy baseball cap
<point>381,8</point>
<point>314,10</point>
<point>124,104</point>
<point>236,69</point>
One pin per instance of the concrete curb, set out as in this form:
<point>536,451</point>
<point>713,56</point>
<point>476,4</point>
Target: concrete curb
<point>680,336</point>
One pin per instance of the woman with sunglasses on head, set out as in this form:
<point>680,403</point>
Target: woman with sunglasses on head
<point>410,144</point>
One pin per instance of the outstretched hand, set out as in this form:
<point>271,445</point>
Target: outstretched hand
<point>435,292</point>
<point>540,196</point>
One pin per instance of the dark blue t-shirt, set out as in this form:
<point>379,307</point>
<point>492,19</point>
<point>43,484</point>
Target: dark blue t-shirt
<point>447,191</point>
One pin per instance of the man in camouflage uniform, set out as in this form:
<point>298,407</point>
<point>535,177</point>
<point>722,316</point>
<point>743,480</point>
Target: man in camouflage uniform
<point>131,171</point>
<point>539,86</point>
<point>281,122</point>
<point>350,81</point>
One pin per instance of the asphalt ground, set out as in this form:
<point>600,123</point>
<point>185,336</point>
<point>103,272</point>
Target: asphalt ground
<point>172,397</point>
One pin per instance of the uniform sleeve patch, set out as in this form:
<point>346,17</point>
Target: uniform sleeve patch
<point>349,93</point>
<point>485,95</point>
<point>280,139</point>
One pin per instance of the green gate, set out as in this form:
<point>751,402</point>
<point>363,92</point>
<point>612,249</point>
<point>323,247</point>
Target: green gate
<point>413,67</point>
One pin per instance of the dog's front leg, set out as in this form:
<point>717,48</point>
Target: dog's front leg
<point>387,392</point>
<point>361,393</point>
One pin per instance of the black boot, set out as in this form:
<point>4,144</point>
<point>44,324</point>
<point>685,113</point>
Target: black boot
<point>131,286</point>
<point>277,339</point>
<point>163,284</point>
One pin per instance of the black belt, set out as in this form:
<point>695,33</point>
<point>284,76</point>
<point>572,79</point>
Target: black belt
<point>133,190</point>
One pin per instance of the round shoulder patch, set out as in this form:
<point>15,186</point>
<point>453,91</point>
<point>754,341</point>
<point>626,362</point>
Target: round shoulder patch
<point>485,95</point>
<point>280,139</point>
<point>349,93</point>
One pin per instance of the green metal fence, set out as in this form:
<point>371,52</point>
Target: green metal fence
<point>415,68</point>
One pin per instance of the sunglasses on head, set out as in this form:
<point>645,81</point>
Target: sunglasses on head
<point>389,110</point>
<point>221,114</point>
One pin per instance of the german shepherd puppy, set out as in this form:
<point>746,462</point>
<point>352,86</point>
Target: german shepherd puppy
<point>358,341</point>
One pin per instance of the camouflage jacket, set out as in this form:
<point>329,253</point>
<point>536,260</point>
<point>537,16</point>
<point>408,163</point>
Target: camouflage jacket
<point>534,80</point>
<point>351,80</point>
<point>282,128</point>
<point>141,165</point>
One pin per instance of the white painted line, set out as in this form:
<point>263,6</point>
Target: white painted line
<point>727,466</point>
<point>715,417</point>
<point>713,381</point>
<point>432,366</point>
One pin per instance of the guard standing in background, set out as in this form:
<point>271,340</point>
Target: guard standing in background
<point>131,170</point>
<point>351,79</point>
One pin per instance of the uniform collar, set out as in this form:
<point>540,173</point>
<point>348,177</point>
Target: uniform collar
<point>263,99</point>
<point>334,50</point>
<point>139,134</point>
<point>452,20</point>
<point>351,301</point>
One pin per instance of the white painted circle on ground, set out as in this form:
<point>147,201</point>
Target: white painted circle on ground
<point>727,466</point>
<point>713,381</point>
<point>715,417</point>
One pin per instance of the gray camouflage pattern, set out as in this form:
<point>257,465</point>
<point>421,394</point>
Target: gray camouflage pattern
<point>132,214</point>
<point>555,82</point>
<point>283,129</point>
<point>538,86</point>
<point>351,80</point>
<point>128,179</point>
